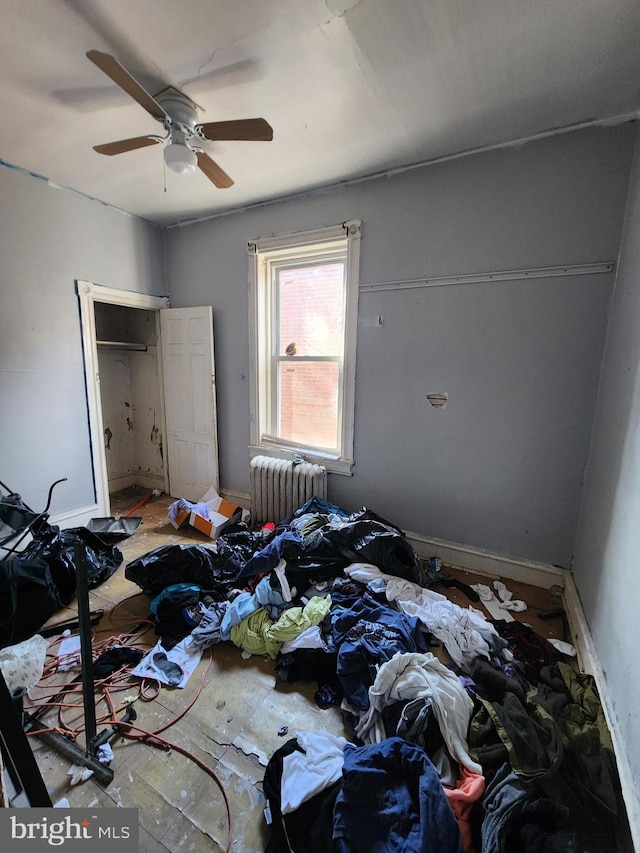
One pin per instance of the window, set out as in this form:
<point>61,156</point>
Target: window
<point>304,305</point>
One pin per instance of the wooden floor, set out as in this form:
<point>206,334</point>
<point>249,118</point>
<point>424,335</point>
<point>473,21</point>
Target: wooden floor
<point>232,727</point>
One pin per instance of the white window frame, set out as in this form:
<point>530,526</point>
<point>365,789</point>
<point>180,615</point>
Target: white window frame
<point>264,254</point>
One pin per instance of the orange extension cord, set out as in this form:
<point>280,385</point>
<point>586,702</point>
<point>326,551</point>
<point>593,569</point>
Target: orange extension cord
<point>148,690</point>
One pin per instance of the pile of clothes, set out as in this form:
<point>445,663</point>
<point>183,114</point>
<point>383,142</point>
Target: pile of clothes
<point>503,749</point>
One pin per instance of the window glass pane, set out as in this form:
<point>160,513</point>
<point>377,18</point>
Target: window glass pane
<point>311,310</point>
<point>308,395</point>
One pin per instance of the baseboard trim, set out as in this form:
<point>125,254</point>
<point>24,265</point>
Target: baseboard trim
<point>588,661</point>
<point>487,563</point>
<point>242,499</point>
<point>580,634</point>
<point>121,481</point>
<point>148,481</point>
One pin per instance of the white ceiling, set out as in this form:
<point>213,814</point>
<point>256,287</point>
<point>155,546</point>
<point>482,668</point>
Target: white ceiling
<point>350,87</point>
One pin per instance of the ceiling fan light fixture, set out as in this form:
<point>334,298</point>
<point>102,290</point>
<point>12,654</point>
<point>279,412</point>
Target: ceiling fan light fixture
<point>180,159</point>
<point>182,129</point>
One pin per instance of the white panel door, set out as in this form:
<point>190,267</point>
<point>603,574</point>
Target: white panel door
<point>190,400</point>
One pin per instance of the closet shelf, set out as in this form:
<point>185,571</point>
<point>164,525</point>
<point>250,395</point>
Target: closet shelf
<point>122,345</point>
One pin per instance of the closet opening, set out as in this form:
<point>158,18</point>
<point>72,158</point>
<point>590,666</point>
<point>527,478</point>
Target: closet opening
<point>150,382</point>
<point>121,342</point>
<point>130,396</point>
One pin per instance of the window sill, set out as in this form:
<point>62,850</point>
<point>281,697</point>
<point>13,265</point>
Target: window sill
<point>333,464</point>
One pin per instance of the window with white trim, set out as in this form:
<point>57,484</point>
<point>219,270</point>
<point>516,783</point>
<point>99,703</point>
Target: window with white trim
<point>303,323</point>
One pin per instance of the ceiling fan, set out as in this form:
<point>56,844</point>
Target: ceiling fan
<point>184,135</point>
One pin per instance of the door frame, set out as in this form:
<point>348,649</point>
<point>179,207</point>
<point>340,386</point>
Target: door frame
<point>88,295</point>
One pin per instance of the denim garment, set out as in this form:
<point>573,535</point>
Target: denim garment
<point>392,801</point>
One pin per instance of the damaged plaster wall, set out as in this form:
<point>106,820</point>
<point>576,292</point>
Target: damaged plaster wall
<point>148,450</point>
<point>115,394</point>
<point>48,239</point>
<point>501,467</point>
<point>131,397</point>
<point>608,542</point>
<point>117,416</point>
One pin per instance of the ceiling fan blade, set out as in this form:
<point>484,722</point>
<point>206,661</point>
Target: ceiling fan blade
<point>250,129</point>
<point>121,77</point>
<point>211,169</point>
<point>123,145</point>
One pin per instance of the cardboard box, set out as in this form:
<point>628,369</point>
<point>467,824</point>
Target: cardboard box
<point>183,518</point>
<point>221,514</point>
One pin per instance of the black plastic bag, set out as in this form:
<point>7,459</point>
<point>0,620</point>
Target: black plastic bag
<point>173,564</point>
<point>212,568</point>
<point>234,550</point>
<point>368,538</point>
<point>285,545</point>
<point>56,547</point>
<point>362,537</point>
<point>28,597</point>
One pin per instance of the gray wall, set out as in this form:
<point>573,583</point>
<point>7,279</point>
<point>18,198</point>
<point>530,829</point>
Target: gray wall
<point>48,239</point>
<point>608,544</point>
<point>501,467</point>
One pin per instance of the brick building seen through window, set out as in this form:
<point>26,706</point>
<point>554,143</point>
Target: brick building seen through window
<point>310,351</point>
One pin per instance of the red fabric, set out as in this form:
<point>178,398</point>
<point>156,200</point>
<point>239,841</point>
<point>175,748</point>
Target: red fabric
<point>469,788</point>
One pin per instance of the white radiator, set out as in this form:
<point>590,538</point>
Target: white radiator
<point>279,487</point>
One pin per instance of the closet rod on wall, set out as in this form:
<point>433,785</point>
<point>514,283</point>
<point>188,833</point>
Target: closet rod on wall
<point>122,345</point>
<point>503,275</point>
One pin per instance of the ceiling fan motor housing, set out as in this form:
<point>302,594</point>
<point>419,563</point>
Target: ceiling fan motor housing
<point>182,111</point>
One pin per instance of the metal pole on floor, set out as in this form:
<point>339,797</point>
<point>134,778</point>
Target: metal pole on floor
<point>86,649</point>
<point>70,750</point>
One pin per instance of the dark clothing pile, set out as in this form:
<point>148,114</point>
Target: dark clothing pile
<point>506,751</point>
<point>550,746</point>
<point>389,799</point>
<point>410,810</point>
